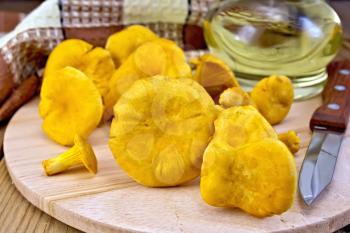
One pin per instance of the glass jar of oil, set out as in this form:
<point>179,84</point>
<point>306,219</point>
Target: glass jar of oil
<point>258,38</point>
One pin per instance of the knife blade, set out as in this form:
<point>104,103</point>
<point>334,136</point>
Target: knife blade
<point>328,124</point>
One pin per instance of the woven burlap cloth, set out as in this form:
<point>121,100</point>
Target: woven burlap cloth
<point>24,50</point>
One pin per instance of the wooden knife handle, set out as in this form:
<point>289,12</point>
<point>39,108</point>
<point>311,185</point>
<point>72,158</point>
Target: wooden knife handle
<point>334,113</point>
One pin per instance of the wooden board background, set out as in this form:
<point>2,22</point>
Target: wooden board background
<point>111,201</point>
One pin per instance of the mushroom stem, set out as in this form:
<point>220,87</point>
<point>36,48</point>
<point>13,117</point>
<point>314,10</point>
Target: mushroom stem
<point>63,161</point>
<point>80,154</point>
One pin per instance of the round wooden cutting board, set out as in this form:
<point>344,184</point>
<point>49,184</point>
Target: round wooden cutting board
<point>112,202</point>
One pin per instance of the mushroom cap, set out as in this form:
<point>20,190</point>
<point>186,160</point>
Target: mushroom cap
<point>96,63</point>
<point>246,166</point>
<point>160,130</point>
<point>70,105</point>
<point>259,178</point>
<point>132,70</point>
<point>235,96</point>
<point>150,59</point>
<point>213,74</point>
<point>274,97</point>
<point>122,44</point>
<point>157,57</point>
<point>291,140</point>
<point>176,64</point>
<point>87,154</point>
<point>67,53</point>
<point>237,126</point>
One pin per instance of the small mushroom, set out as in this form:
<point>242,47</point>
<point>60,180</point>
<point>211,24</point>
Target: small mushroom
<point>273,97</point>
<point>291,140</point>
<point>122,44</point>
<point>235,96</point>
<point>81,154</point>
<point>213,74</point>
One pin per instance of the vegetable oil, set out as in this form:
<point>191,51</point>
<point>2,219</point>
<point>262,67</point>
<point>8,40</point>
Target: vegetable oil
<point>258,38</point>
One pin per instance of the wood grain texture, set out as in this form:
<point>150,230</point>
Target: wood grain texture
<point>336,94</point>
<point>17,215</point>
<point>112,202</point>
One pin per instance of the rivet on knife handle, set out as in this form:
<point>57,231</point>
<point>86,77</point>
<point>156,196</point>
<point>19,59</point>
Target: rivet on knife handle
<point>334,113</point>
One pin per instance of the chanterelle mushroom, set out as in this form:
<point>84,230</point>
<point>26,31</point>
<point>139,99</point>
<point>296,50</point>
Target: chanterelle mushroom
<point>158,57</point>
<point>70,105</point>
<point>235,96</point>
<point>95,63</point>
<point>67,53</point>
<point>213,74</point>
<point>81,154</point>
<point>122,44</point>
<point>273,96</point>
<point>160,130</point>
<point>246,166</point>
<point>291,140</point>
<point>98,65</point>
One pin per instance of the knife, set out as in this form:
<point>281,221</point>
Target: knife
<point>328,123</point>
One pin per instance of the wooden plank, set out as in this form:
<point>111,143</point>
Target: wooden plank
<point>18,215</point>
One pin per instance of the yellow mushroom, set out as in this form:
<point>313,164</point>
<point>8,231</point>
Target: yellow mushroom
<point>98,65</point>
<point>235,96</point>
<point>273,97</point>
<point>67,53</point>
<point>95,63</point>
<point>291,140</point>
<point>176,64</point>
<point>160,130</point>
<point>122,44</point>
<point>245,166</point>
<point>71,105</point>
<point>81,154</point>
<point>213,74</point>
<point>237,126</point>
<point>159,57</point>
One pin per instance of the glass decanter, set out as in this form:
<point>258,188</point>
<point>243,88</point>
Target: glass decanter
<point>258,38</point>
